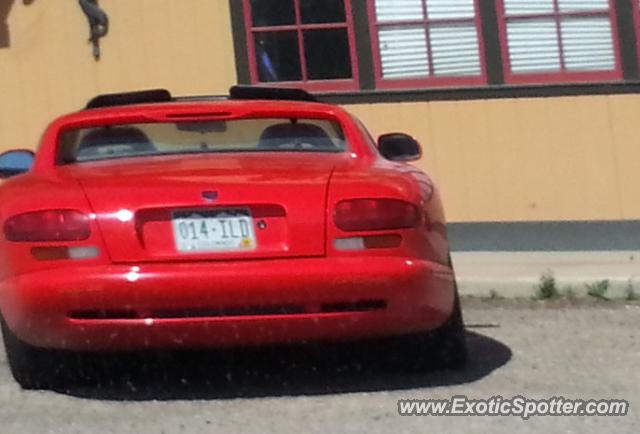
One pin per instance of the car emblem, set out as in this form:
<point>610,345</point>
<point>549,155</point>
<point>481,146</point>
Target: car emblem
<point>210,196</point>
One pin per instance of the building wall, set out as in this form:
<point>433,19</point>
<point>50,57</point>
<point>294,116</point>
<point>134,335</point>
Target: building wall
<point>512,159</point>
<point>527,159</point>
<point>48,68</point>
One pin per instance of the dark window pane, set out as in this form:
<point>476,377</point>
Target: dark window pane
<point>327,53</point>
<point>277,56</point>
<point>322,11</point>
<point>272,12</point>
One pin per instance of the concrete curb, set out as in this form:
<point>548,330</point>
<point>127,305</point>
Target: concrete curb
<point>517,274</point>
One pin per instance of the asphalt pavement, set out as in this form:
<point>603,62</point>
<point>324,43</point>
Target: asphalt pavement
<point>538,350</point>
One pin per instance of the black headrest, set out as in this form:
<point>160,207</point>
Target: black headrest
<point>116,136</point>
<point>290,133</point>
<point>110,141</point>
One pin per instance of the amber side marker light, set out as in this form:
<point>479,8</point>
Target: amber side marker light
<point>368,242</point>
<point>59,253</point>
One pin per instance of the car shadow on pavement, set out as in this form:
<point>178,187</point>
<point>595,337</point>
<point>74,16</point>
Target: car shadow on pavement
<point>272,372</point>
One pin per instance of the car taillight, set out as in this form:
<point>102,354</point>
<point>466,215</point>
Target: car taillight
<point>375,214</point>
<point>50,225</point>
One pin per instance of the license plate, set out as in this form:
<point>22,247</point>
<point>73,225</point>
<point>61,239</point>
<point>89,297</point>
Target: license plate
<point>213,231</point>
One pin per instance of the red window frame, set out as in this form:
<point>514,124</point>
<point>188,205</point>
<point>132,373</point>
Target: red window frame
<point>562,76</point>
<point>431,80</point>
<point>299,27</point>
<point>635,4</point>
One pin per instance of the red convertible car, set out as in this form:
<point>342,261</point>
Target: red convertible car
<point>151,222</point>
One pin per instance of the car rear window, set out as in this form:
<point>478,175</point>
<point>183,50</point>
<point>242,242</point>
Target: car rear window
<point>244,135</point>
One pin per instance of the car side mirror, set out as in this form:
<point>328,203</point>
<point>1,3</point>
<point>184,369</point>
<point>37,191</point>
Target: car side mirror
<point>16,162</point>
<point>399,147</point>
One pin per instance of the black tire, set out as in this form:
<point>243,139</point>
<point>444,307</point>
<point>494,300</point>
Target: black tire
<point>443,348</point>
<point>447,345</point>
<point>449,341</point>
<point>36,368</point>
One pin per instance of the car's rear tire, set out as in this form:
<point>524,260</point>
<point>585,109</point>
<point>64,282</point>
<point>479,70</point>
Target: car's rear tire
<point>36,368</point>
<point>447,345</point>
<point>443,348</point>
<point>449,341</point>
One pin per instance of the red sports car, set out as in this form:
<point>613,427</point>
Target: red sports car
<point>151,222</point>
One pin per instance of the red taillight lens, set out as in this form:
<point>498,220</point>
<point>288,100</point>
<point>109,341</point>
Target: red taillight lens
<point>375,215</point>
<point>51,225</point>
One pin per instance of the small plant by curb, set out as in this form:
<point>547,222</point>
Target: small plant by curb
<point>598,289</point>
<point>631,294</point>
<point>547,288</point>
<point>494,295</point>
<point>569,292</point>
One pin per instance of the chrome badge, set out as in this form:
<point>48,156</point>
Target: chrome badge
<point>210,196</point>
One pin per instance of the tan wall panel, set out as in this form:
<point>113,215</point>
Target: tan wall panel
<point>624,114</point>
<point>185,46</point>
<point>582,164</point>
<point>504,146</point>
<point>525,159</point>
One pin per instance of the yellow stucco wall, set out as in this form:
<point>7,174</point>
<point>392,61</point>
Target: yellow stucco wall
<point>48,68</point>
<point>510,159</point>
<point>569,158</point>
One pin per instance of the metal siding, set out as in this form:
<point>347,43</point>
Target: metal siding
<point>403,52</point>
<point>518,7</point>
<point>398,10</point>
<point>404,49</point>
<point>455,50</point>
<point>583,5</point>
<point>446,9</point>
<point>533,45</point>
<point>588,44</point>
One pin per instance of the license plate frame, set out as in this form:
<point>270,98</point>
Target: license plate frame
<point>224,230</point>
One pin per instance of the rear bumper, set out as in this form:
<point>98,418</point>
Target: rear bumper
<point>119,307</point>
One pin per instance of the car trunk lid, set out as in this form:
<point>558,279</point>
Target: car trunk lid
<point>209,207</point>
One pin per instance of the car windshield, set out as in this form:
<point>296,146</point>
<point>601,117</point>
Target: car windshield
<point>244,135</point>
